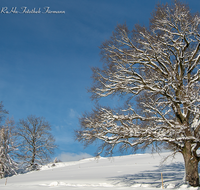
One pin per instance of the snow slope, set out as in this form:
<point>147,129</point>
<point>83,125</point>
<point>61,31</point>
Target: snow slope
<point>140,171</point>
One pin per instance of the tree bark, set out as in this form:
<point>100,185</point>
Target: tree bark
<point>191,166</point>
<point>1,171</point>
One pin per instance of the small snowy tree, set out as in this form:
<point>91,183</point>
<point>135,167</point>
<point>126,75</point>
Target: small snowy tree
<point>8,149</point>
<point>159,67</point>
<point>37,143</point>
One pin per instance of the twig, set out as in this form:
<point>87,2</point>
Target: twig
<point>162,180</point>
<point>6,181</point>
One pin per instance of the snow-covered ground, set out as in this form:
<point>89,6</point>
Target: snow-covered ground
<point>140,171</point>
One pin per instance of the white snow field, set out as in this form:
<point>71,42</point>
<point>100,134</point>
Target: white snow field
<point>139,171</point>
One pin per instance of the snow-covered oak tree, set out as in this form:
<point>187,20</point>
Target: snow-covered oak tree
<point>37,143</point>
<point>8,145</point>
<point>8,149</point>
<point>159,67</point>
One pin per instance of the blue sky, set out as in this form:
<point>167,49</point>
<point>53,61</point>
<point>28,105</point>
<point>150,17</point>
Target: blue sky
<point>46,59</point>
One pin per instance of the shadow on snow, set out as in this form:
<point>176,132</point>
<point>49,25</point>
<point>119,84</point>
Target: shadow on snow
<point>173,175</point>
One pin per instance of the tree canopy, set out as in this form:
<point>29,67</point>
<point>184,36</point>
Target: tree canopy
<point>157,67</point>
<point>37,143</point>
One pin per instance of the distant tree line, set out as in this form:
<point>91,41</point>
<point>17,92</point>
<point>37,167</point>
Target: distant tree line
<point>24,145</point>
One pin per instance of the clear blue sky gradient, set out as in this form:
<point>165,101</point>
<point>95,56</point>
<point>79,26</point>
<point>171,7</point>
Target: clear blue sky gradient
<point>46,59</point>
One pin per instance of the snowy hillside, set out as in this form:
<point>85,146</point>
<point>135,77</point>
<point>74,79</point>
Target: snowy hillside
<point>141,171</point>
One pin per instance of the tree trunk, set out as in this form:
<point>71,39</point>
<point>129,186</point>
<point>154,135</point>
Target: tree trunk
<point>33,161</point>
<point>1,171</point>
<point>191,166</point>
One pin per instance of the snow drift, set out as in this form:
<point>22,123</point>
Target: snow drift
<point>139,171</point>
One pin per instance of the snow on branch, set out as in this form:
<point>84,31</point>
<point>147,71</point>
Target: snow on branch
<point>159,68</point>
